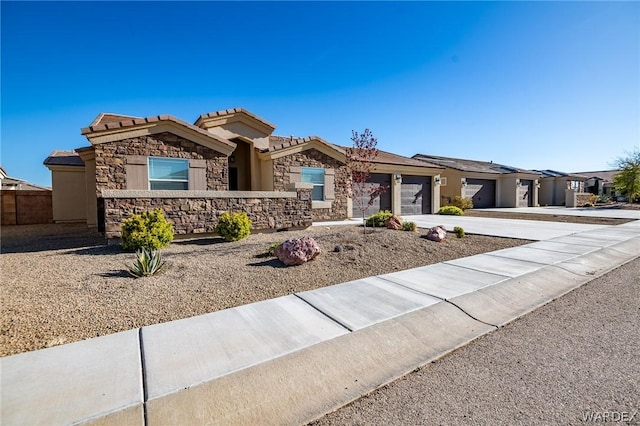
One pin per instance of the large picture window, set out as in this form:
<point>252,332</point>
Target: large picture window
<point>168,173</point>
<point>315,176</point>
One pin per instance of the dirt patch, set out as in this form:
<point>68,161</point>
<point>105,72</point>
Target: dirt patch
<point>61,284</point>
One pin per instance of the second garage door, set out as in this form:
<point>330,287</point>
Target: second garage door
<point>482,192</point>
<point>415,195</point>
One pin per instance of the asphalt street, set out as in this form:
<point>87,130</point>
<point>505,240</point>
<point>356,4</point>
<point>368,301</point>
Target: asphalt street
<point>576,360</point>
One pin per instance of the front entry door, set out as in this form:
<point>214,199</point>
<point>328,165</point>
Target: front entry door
<point>233,178</point>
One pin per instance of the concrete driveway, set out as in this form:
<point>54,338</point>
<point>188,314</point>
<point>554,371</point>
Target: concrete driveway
<point>577,211</point>
<point>509,228</point>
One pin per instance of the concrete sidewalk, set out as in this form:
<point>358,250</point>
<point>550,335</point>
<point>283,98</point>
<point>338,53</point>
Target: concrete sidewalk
<point>576,211</point>
<point>534,230</point>
<point>292,359</point>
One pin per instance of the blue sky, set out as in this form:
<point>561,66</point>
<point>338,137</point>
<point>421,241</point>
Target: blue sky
<point>529,84</point>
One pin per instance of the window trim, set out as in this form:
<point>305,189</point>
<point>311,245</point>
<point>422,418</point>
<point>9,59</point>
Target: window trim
<point>322,185</point>
<point>150,180</point>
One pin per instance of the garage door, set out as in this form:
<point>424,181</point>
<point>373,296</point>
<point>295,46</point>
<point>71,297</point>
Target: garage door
<point>383,202</point>
<point>415,195</point>
<point>525,193</point>
<point>482,192</point>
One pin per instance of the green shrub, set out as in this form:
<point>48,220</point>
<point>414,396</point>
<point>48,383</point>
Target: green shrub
<point>149,230</point>
<point>271,251</point>
<point>377,220</point>
<point>148,262</point>
<point>462,203</point>
<point>233,227</point>
<point>459,231</point>
<point>451,210</point>
<point>409,226</point>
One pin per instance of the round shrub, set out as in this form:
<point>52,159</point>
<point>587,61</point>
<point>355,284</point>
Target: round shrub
<point>149,230</point>
<point>451,210</point>
<point>377,220</point>
<point>233,227</point>
<point>463,203</point>
<point>459,231</point>
<point>409,226</point>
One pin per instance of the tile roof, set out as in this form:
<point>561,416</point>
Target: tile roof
<point>107,117</point>
<point>606,175</point>
<point>277,143</point>
<point>471,165</point>
<point>385,157</point>
<point>63,158</point>
<point>229,111</point>
<point>11,183</point>
<point>554,173</point>
<point>131,122</point>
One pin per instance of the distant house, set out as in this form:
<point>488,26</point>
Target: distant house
<point>226,160</point>
<point>488,184</point>
<point>554,185</point>
<point>600,182</point>
<point>23,203</point>
<point>14,184</point>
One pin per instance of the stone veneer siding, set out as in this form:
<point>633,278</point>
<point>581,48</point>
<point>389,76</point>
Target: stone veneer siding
<point>314,158</point>
<point>111,159</point>
<point>200,215</point>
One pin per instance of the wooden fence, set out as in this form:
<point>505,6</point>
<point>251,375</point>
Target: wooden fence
<point>25,207</point>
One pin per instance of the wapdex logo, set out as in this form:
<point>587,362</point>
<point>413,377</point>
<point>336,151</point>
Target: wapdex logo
<point>611,417</point>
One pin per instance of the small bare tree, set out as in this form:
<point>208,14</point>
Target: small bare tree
<point>360,164</point>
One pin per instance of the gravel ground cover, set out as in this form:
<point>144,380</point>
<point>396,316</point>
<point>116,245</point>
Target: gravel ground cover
<point>572,361</point>
<point>60,283</point>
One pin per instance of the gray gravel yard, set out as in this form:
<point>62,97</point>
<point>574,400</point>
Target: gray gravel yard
<point>60,283</point>
<point>576,360</point>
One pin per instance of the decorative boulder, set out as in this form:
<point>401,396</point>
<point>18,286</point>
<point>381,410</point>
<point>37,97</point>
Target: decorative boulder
<point>297,251</point>
<point>394,222</point>
<point>437,233</point>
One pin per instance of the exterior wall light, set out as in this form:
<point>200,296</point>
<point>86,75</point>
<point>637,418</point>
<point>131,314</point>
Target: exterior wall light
<point>398,177</point>
<point>437,180</point>
<point>463,181</point>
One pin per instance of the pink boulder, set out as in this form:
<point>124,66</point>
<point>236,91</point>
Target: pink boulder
<point>437,233</point>
<point>394,222</point>
<point>297,251</point>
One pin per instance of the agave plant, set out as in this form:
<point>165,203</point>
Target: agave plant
<point>148,262</point>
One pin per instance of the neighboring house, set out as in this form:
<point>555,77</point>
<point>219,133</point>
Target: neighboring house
<point>226,160</point>
<point>488,184</point>
<point>554,185</point>
<point>15,184</point>
<point>23,203</point>
<point>600,182</point>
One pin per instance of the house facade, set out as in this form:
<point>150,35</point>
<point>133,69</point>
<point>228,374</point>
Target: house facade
<point>488,184</point>
<point>558,188</point>
<point>226,161</point>
<point>600,183</point>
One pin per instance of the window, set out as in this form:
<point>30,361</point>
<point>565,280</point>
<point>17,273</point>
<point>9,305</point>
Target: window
<point>168,173</point>
<point>315,176</point>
